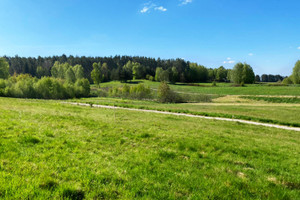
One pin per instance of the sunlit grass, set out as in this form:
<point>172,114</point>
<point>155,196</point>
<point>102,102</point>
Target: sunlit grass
<point>50,150</point>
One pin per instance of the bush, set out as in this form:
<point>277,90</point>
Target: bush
<point>166,95</point>
<point>287,81</point>
<point>50,88</point>
<point>2,87</point>
<point>82,88</point>
<point>25,86</point>
<point>139,91</point>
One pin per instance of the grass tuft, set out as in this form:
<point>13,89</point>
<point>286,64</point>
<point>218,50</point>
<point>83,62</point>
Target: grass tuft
<point>72,194</point>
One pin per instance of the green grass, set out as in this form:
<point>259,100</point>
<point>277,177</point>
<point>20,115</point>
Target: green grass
<point>269,113</point>
<point>221,88</point>
<point>50,150</point>
<point>274,99</point>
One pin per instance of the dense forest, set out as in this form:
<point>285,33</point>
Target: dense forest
<point>130,67</point>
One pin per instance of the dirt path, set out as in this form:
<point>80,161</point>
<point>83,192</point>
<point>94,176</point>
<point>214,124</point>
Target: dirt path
<point>190,115</point>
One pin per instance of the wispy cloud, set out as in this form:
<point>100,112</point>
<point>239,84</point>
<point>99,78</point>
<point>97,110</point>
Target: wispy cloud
<point>147,7</point>
<point>298,48</point>
<point>152,6</point>
<point>160,8</point>
<point>229,61</point>
<point>185,2</point>
<point>250,54</point>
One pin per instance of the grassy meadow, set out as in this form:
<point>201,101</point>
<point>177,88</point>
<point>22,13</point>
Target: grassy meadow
<point>53,150</point>
<point>229,107</point>
<point>220,89</point>
<point>50,150</point>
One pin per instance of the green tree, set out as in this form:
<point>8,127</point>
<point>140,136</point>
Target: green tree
<point>40,72</point>
<point>212,74</point>
<point>257,78</point>
<point>105,72</point>
<point>164,93</point>
<point>70,75</point>
<point>287,80</point>
<point>248,74</point>
<point>237,73</point>
<point>138,71</point>
<point>221,74</point>
<point>82,88</point>
<point>79,71</point>
<point>242,73</point>
<point>96,74</point>
<point>126,72</point>
<point>197,73</point>
<point>174,75</point>
<point>58,70</point>
<point>296,73</point>
<point>4,68</point>
<point>158,72</point>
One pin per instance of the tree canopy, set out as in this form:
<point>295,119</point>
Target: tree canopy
<point>296,73</point>
<point>242,73</point>
<point>4,68</point>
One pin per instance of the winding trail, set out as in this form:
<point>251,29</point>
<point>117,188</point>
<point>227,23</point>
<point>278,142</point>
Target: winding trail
<point>190,115</point>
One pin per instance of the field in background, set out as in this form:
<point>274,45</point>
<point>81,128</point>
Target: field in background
<point>220,89</point>
<point>54,150</point>
<point>229,107</point>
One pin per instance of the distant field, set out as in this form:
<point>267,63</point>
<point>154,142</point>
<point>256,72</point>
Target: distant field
<point>222,88</point>
<point>284,113</point>
<point>50,150</point>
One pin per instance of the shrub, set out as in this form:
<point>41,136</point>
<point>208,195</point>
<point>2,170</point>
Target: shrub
<point>50,88</point>
<point>82,88</point>
<point>287,81</point>
<point>139,91</point>
<point>166,95</point>
<point>25,86</point>
<point>2,87</point>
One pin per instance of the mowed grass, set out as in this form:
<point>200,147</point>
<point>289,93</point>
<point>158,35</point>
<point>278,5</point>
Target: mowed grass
<point>236,108</point>
<point>220,89</point>
<point>50,150</point>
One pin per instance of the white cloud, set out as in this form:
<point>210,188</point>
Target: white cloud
<point>184,2</point>
<point>298,48</point>
<point>229,62</point>
<point>161,8</point>
<point>151,6</point>
<point>250,54</point>
<point>145,9</point>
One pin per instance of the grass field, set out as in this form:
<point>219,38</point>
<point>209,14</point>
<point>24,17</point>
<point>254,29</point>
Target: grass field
<point>229,107</point>
<point>50,150</point>
<point>221,88</point>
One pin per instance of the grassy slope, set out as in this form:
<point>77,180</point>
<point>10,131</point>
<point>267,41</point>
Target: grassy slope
<point>224,88</point>
<point>50,150</point>
<point>285,113</point>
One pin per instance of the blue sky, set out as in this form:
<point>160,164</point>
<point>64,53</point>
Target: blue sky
<point>263,33</point>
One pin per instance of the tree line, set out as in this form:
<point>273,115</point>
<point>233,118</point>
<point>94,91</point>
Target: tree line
<point>121,68</point>
<point>66,82</point>
<point>125,68</point>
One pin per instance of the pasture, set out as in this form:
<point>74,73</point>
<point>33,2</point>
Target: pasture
<point>50,149</point>
<point>55,150</point>
<point>220,88</point>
